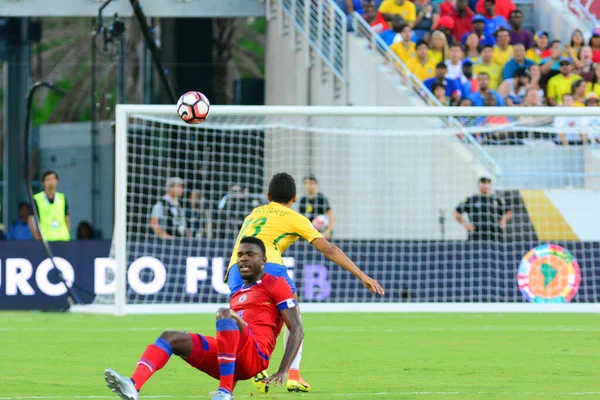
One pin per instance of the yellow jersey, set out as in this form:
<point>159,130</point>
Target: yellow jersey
<point>408,11</point>
<point>558,85</point>
<point>596,89</point>
<point>278,227</point>
<point>493,70</point>
<point>436,55</point>
<point>501,57</point>
<point>420,70</point>
<point>402,52</point>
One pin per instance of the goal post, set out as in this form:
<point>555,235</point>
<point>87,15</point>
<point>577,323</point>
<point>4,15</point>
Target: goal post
<point>394,177</point>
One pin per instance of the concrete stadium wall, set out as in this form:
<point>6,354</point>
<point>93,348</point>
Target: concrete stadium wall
<point>66,149</point>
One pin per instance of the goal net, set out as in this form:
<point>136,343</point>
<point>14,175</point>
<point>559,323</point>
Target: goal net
<point>449,208</point>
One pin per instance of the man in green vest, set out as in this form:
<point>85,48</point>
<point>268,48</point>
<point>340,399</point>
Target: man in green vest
<point>53,211</point>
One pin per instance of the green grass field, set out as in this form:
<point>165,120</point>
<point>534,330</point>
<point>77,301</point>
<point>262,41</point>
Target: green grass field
<point>346,356</point>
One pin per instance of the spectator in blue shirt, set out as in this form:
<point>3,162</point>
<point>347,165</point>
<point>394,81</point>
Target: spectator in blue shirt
<point>495,21</point>
<point>19,229</point>
<point>478,98</point>
<point>392,36</point>
<point>479,24</point>
<point>518,60</point>
<point>467,81</point>
<point>452,88</point>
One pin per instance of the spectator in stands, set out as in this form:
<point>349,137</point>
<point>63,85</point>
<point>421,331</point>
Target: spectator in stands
<point>478,98</point>
<point>19,229</point>
<point>316,203</point>
<point>502,8</point>
<point>488,214</point>
<point>503,50</point>
<point>394,35</point>
<point>535,76</point>
<point>591,125</point>
<point>406,50</point>
<point>576,44</point>
<point>532,99</point>
<point>568,122</point>
<point>594,43</point>
<point>439,92</point>
<point>427,17</point>
<point>167,219</point>
<point>493,21</point>
<point>423,67</point>
<point>584,66</point>
<point>445,26</point>
<point>472,48</point>
<point>462,16</point>
<point>374,18</point>
<point>594,84</point>
<point>561,83</point>
<point>551,65</point>
<point>469,84</point>
<point>404,8</point>
<point>450,85</point>
<point>438,47</point>
<point>85,231</point>
<point>513,89</point>
<point>541,49</point>
<point>493,70</point>
<point>517,61</point>
<point>199,215</point>
<point>578,92</point>
<point>517,33</point>
<point>52,207</point>
<point>479,30</point>
<point>454,62</point>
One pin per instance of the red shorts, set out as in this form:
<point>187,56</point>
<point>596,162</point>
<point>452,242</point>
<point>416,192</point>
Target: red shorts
<point>249,359</point>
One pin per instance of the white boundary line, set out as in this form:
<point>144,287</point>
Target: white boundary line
<point>356,307</point>
<point>330,395</point>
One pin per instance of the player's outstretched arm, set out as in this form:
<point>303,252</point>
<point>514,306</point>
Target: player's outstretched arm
<point>291,317</point>
<point>335,254</point>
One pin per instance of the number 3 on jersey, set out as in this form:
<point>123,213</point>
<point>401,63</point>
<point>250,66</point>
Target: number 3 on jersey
<point>251,224</point>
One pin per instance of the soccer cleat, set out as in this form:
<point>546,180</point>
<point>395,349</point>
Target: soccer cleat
<point>121,385</point>
<point>298,386</point>
<point>220,395</point>
<point>259,382</point>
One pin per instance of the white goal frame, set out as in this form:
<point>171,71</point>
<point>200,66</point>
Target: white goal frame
<point>120,228</point>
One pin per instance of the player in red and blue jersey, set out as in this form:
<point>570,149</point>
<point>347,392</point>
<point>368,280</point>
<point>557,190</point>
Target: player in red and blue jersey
<point>245,339</point>
<point>279,226</point>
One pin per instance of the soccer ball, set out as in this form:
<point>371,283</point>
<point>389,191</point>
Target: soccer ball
<point>321,223</point>
<point>193,107</point>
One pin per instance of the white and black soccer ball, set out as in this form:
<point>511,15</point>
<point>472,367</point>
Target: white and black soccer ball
<point>321,223</point>
<point>193,107</point>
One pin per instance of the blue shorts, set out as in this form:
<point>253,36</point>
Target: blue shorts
<point>236,282</point>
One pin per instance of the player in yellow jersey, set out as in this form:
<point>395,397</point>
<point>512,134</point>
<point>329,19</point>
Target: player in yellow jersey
<point>278,226</point>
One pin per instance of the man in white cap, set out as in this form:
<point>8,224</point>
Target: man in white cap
<point>168,218</point>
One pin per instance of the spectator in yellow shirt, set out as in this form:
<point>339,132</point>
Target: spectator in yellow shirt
<point>561,83</point>
<point>594,84</point>
<point>405,49</point>
<point>404,8</point>
<point>578,92</point>
<point>439,47</point>
<point>488,66</point>
<point>503,51</point>
<point>423,67</point>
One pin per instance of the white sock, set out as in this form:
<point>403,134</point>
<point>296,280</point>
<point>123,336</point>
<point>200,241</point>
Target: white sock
<point>296,362</point>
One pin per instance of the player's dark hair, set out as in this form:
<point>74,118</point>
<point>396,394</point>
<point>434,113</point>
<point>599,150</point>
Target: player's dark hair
<point>255,241</point>
<point>282,188</point>
<point>48,173</point>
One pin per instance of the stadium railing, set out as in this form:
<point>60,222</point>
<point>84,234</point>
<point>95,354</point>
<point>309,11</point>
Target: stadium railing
<point>323,24</point>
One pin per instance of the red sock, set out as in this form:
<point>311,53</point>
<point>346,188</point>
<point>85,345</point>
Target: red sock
<point>228,337</point>
<point>294,374</point>
<point>154,358</point>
